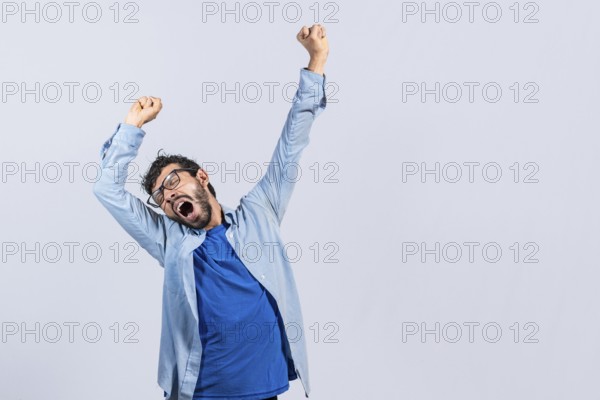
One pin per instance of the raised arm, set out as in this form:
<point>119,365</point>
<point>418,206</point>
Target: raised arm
<point>145,225</point>
<point>275,188</point>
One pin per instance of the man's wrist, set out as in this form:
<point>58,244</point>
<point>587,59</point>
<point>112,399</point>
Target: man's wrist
<point>317,65</point>
<point>134,123</point>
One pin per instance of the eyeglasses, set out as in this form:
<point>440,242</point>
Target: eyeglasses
<point>170,182</point>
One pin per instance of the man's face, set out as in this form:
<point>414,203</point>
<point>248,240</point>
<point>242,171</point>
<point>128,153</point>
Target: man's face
<point>188,203</point>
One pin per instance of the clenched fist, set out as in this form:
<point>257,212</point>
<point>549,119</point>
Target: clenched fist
<point>314,40</point>
<point>144,110</point>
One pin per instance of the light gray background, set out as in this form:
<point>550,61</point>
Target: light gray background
<point>369,213</point>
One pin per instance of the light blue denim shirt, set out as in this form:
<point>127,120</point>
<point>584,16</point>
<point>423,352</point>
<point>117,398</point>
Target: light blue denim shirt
<point>255,222</point>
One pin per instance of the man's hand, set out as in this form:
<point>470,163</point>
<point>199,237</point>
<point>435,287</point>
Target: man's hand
<point>144,110</point>
<point>314,39</point>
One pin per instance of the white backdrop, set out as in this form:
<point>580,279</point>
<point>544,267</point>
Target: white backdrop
<point>446,213</point>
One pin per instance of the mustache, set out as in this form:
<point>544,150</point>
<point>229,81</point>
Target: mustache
<point>181,197</point>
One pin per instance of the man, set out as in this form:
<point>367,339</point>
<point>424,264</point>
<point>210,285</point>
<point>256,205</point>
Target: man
<point>232,326</point>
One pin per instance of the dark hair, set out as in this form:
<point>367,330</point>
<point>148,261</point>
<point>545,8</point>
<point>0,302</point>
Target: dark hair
<point>149,180</point>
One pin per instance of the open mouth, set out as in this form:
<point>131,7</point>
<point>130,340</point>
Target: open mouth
<point>185,208</point>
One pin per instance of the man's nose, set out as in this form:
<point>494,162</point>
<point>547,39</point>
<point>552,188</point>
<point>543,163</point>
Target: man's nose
<point>169,194</point>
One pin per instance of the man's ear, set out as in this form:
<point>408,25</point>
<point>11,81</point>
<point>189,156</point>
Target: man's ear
<point>202,176</point>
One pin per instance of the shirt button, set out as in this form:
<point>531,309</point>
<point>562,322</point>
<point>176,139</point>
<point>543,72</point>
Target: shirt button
<point>262,276</point>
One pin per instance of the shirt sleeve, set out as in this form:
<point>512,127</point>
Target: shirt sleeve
<point>274,189</point>
<point>145,225</point>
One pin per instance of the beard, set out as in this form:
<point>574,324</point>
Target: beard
<point>199,211</point>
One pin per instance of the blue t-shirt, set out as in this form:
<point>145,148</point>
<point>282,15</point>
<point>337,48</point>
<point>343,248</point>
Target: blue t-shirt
<point>245,352</point>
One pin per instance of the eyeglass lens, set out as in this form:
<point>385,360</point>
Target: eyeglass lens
<point>171,181</point>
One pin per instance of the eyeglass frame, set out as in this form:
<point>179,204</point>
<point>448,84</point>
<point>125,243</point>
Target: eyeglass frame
<point>162,185</point>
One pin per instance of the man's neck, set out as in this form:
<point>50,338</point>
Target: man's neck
<point>218,216</point>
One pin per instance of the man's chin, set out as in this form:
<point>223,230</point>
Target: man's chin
<point>197,223</point>
<point>193,224</point>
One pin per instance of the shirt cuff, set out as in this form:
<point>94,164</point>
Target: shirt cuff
<point>309,78</point>
<point>312,86</point>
